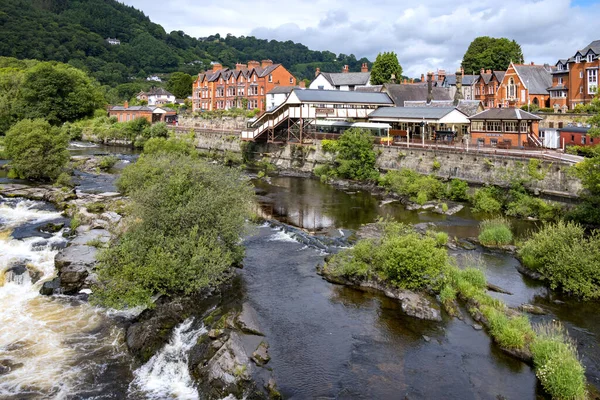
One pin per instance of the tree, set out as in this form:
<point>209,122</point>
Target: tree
<point>491,53</point>
<point>355,157</point>
<point>37,150</point>
<point>180,84</point>
<point>385,67</point>
<point>183,233</point>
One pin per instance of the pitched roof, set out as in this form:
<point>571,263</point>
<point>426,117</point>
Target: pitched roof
<point>341,96</point>
<point>499,75</point>
<point>414,92</point>
<point>347,78</point>
<point>371,89</point>
<point>282,89</point>
<point>537,78</point>
<point>158,91</point>
<point>504,113</point>
<point>140,108</point>
<point>467,80</point>
<point>594,46</point>
<point>469,107</point>
<point>411,112</point>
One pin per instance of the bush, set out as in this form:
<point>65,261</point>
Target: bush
<point>355,157</point>
<point>421,198</point>
<point>329,146</point>
<point>458,190</point>
<point>171,145</point>
<point>107,162</point>
<point>568,258</point>
<point>526,206</point>
<point>556,363</point>
<point>495,232</point>
<point>183,234</point>
<point>412,184</point>
<point>158,130</point>
<point>64,180</point>
<point>441,239</point>
<point>436,165</point>
<point>37,150</point>
<point>485,201</point>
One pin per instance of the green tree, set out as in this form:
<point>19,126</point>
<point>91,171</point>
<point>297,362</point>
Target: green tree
<point>385,67</point>
<point>355,156</point>
<point>183,233</point>
<point>180,84</point>
<point>491,53</point>
<point>37,150</point>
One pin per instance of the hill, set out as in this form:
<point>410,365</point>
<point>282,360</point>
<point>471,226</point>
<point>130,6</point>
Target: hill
<point>75,32</point>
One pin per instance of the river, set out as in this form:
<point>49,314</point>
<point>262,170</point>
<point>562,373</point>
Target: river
<point>325,340</point>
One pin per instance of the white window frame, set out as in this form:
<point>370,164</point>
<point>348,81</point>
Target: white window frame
<point>511,89</point>
<point>590,57</point>
<point>560,81</point>
<point>577,59</point>
<point>523,126</point>
<point>270,78</point>
<point>592,81</point>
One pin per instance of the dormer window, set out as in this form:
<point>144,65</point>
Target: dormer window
<point>590,57</point>
<point>577,59</point>
<point>220,80</point>
<point>254,78</point>
<point>560,67</point>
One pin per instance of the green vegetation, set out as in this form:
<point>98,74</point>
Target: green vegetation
<point>557,364</point>
<point>107,162</point>
<point>495,232</point>
<point>64,180</point>
<point>183,233</point>
<point>329,146</point>
<point>419,188</point>
<point>441,239</point>
<point>96,207</point>
<point>458,190</point>
<point>402,258</point>
<point>354,157</point>
<point>180,85</point>
<point>385,68</point>
<point>515,202</point>
<point>588,211</point>
<point>486,52</point>
<point>37,150</point>
<point>172,145</point>
<point>565,256</point>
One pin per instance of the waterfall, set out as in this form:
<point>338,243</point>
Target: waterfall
<point>166,374</point>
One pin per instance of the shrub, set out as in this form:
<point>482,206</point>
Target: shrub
<point>187,219</point>
<point>447,295</point>
<point>436,165</point>
<point>458,190</point>
<point>421,198</point>
<point>329,146</point>
<point>556,363</point>
<point>355,157</point>
<point>75,222</point>
<point>495,232</point>
<point>96,208</point>
<point>171,145</point>
<point>525,206</point>
<point>441,239</point>
<point>444,207</point>
<point>230,158</point>
<point>485,201</point>
<point>107,162</point>
<point>158,130</point>
<point>64,180</point>
<point>410,183</point>
<point>568,258</point>
<point>474,277</point>
<point>37,150</point>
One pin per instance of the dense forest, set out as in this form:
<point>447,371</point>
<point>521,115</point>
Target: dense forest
<point>75,32</point>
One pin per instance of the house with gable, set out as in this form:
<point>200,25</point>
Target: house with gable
<point>524,85</point>
<point>156,97</point>
<point>487,87</point>
<point>346,80</point>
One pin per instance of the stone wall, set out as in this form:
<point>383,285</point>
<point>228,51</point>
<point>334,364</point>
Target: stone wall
<point>564,118</point>
<point>230,124</point>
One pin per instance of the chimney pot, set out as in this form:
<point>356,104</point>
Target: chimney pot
<point>346,69</point>
<point>488,71</point>
<point>364,67</point>
<point>216,67</point>
<point>482,71</point>
<point>412,80</point>
<point>239,67</point>
<point>302,85</point>
<point>253,64</point>
<point>422,78</point>
<point>126,104</point>
<point>266,63</point>
<point>532,63</point>
<point>317,71</point>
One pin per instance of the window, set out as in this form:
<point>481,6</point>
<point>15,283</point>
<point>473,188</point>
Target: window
<point>580,74</point>
<point>477,125</point>
<point>220,80</point>
<point>550,124</point>
<point>592,81</point>
<point>510,126</point>
<point>240,91</point>
<point>262,91</point>
<point>590,57</point>
<point>254,78</point>
<point>270,78</point>
<point>491,90</point>
<point>477,91</point>
<point>582,139</point>
<point>578,59</point>
<point>321,87</point>
<point>480,141</point>
<point>580,89</point>
<point>493,126</point>
<point>572,138</point>
<point>291,81</point>
<point>560,81</point>
<point>491,103</point>
<point>512,88</point>
<point>559,67</point>
<point>523,126</point>
<point>494,142</point>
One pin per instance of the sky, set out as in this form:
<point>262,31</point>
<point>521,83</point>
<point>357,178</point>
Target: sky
<point>427,35</point>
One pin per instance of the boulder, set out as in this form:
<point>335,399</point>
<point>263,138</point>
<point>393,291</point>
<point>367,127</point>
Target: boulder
<point>50,287</point>
<point>532,309</point>
<point>261,355</point>
<point>74,264</point>
<point>51,227</point>
<point>247,320</point>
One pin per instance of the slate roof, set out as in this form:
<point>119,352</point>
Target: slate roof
<point>594,46</point>
<point>139,108</point>
<point>369,89</point>
<point>499,75</point>
<point>347,78</point>
<point>537,78</point>
<point>414,92</point>
<point>341,96</point>
<point>158,91</point>
<point>504,113</point>
<point>282,89</point>
<point>411,112</point>
<point>468,80</point>
<point>469,107</point>
<point>226,73</point>
<point>575,129</point>
<point>559,87</point>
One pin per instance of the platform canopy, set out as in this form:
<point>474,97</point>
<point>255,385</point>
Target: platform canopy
<point>432,115</point>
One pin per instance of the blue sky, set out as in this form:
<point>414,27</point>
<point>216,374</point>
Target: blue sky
<point>427,35</point>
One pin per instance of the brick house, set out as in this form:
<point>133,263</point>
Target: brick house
<point>153,114</point>
<point>505,127</point>
<point>575,80</point>
<point>525,84</point>
<point>244,87</point>
<point>577,136</point>
<point>487,86</point>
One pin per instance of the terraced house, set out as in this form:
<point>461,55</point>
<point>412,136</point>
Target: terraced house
<point>575,80</point>
<point>244,87</point>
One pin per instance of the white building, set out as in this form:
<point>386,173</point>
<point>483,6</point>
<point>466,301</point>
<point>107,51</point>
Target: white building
<point>156,97</point>
<point>347,81</point>
<point>113,41</point>
<point>277,96</point>
<point>549,137</point>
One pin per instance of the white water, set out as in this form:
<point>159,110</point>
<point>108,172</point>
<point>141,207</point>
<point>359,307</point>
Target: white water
<point>43,339</point>
<point>166,374</point>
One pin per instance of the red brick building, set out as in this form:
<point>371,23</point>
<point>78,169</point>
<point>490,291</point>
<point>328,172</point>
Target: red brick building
<point>575,80</point>
<point>525,84</point>
<point>153,114</point>
<point>487,86</point>
<point>505,127</point>
<point>576,136</point>
<point>244,87</point>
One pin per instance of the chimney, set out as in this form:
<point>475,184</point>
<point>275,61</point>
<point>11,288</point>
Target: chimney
<point>422,78</point>
<point>405,81</point>
<point>253,64</point>
<point>364,67</point>
<point>216,67</point>
<point>126,104</point>
<point>266,63</point>
<point>346,69</point>
<point>239,67</point>
<point>462,71</point>
<point>482,71</point>
<point>302,85</point>
<point>317,71</point>
<point>441,75</point>
<point>412,80</point>
<point>429,87</point>
<point>458,95</point>
<point>488,71</point>
<point>532,63</point>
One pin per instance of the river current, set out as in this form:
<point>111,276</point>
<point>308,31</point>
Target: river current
<point>326,341</point>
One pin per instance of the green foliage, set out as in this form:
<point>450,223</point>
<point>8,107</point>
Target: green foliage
<point>96,207</point>
<point>491,53</point>
<point>187,218</point>
<point>409,183</point>
<point>75,222</point>
<point>458,189</point>
<point>158,130</point>
<point>485,201</point>
<point>447,296</point>
<point>355,157</point>
<point>401,257</point>
<point>441,239</point>
<point>180,85</point>
<point>107,162</point>
<point>568,258</point>
<point>436,165</point>
<point>495,232</point>
<point>523,205</point>
<point>385,68</point>
<point>37,150</point>
<point>509,332</point>
<point>444,207</point>
<point>329,146</point>
<point>557,364</point>
<point>535,170</point>
<point>64,180</point>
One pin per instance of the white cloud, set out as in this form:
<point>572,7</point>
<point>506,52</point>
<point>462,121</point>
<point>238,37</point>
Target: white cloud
<point>426,36</point>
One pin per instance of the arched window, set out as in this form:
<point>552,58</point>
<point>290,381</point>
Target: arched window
<point>512,90</point>
<point>536,101</point>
